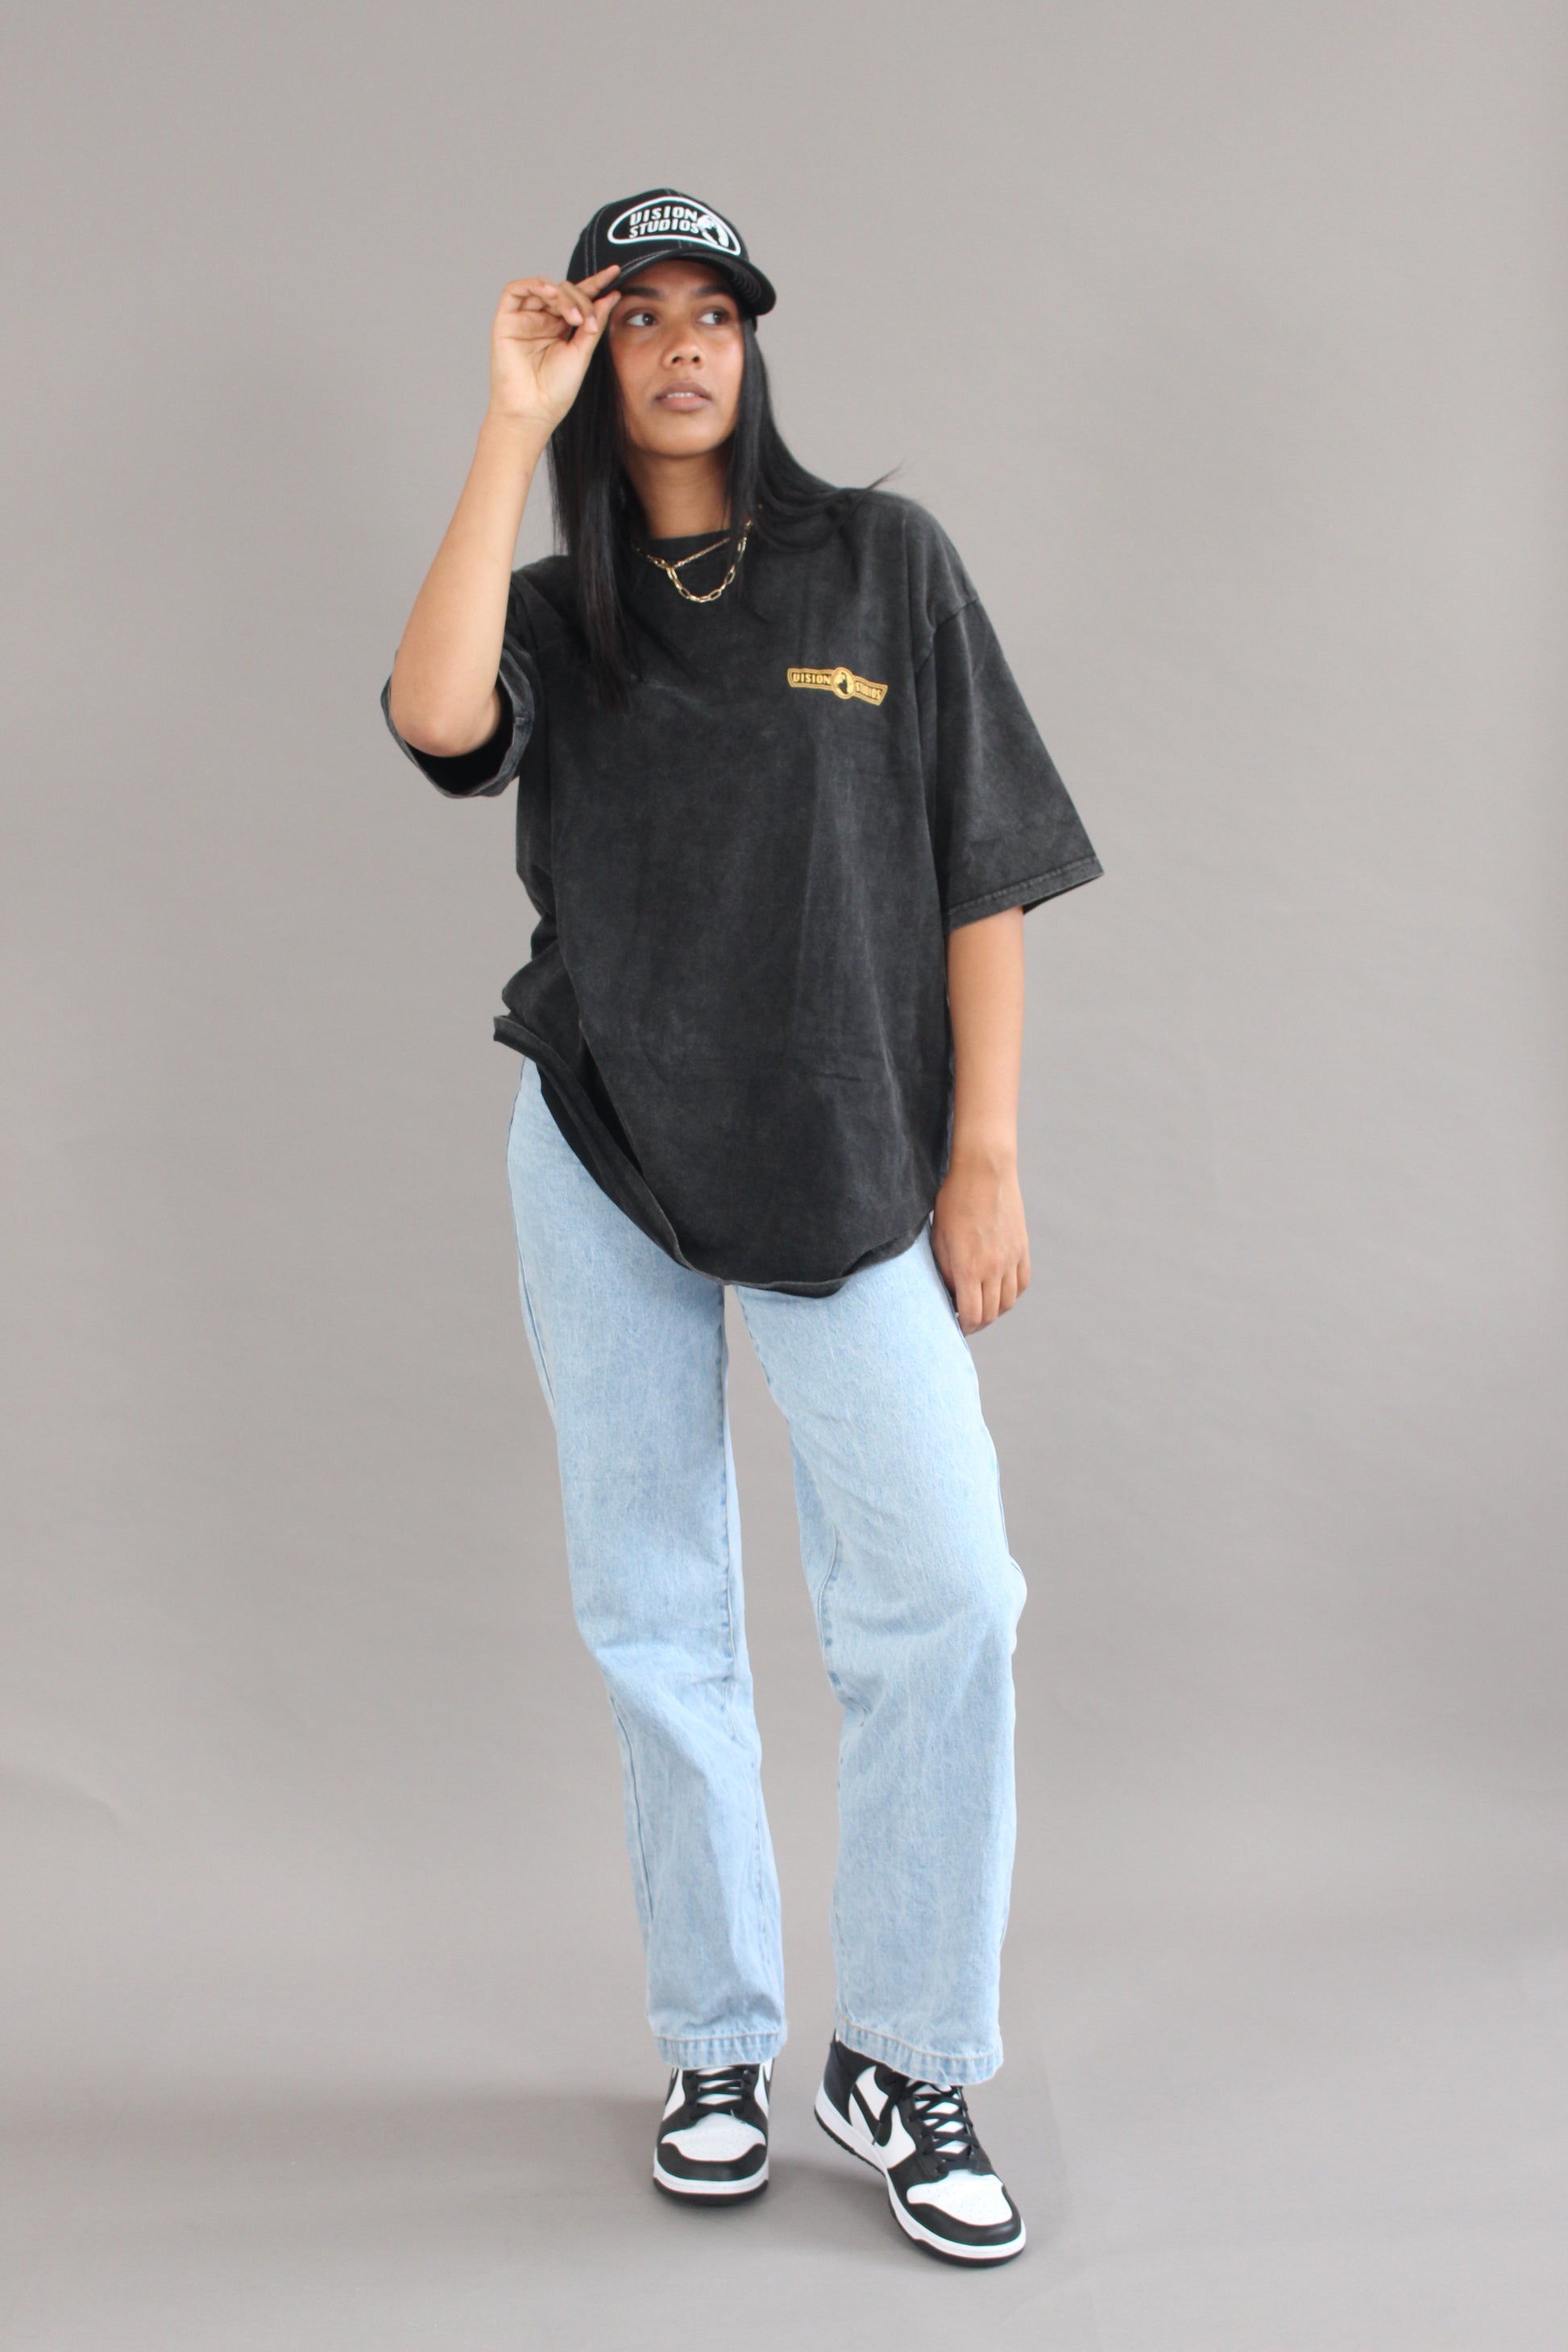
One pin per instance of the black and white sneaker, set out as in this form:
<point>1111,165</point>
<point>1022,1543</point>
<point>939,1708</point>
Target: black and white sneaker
<point>919,2136</point>
<point>713,2134</point>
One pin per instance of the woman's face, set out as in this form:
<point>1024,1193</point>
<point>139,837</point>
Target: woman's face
<point>678,349</point>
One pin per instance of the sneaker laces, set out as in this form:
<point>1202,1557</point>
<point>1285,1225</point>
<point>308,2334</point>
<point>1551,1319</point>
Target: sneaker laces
<point>942,2118</point>
<point>720,2086</point>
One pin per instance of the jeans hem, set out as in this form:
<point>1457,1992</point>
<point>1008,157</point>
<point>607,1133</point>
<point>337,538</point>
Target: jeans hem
<point>722,2050</point>
<point>925,2065</point>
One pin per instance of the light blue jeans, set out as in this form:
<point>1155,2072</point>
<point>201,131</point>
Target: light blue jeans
<point>916,1595</point>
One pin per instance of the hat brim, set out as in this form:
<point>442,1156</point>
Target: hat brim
<point>750,284</point>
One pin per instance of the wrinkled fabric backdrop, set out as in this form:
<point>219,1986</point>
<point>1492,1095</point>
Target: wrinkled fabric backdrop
<point>1229,343</point>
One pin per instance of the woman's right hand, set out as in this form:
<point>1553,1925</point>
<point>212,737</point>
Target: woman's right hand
<point>546,332</point>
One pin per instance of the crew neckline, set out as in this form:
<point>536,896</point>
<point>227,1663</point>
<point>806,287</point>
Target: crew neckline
<point>693,539</point>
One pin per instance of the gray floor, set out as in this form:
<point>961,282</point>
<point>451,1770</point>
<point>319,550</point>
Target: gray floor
<point>1313,2141</point>
<point>1285,2028</point>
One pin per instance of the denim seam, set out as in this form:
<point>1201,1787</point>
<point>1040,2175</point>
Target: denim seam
<point>724,1500</point>
<point>826,1640</point>
<point>646,1906</point>
<point>718,2049</point>
<point>759,1872</point>
<point>832,1565</point>
<point>945,2065</point>
<point>522,1271</point>
<point>534,1329</point>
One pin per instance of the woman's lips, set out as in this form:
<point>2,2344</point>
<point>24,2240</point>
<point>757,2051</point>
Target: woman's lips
<point>683,395</point>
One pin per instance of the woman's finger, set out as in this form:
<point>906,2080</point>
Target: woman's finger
<point>576,303</point>
<point>593,308</point>
<point>519,287</point>
<point>547,297</point>
<point>590,287</point>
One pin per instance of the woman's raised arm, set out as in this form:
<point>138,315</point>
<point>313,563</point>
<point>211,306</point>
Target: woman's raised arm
<point>444,699</point>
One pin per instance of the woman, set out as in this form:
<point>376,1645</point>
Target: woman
<point>781,810</point>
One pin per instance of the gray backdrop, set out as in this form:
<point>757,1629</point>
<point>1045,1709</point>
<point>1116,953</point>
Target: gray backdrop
<point>1229,343</point>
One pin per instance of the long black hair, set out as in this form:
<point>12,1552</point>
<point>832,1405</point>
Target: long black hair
<point>599,519</point>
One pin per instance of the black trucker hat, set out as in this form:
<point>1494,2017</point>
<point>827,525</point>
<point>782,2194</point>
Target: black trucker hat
<point>662,224</point>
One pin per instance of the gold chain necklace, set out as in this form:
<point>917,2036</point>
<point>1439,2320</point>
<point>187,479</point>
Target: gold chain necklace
<point>673,571</point>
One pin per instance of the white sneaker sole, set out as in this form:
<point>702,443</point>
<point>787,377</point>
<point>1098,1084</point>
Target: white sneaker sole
<point>853,2135</point>
<point>706,2192</point>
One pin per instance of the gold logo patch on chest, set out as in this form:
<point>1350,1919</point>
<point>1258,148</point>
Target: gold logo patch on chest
<point>841,682</point>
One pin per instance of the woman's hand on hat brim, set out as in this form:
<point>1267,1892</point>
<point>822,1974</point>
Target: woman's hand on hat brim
<point>543,336</point>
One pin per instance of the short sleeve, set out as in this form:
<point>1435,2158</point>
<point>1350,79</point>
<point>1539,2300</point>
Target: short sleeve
<point>490,767</point>
<point>1004,831</point>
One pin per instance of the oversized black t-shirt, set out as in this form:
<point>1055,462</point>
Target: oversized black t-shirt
<point>737,992</point>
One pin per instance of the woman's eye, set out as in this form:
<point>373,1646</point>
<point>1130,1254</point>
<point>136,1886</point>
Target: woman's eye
<point>717,312</point>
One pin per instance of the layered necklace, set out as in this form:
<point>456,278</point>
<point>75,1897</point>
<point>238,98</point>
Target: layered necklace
<point>672,572</point>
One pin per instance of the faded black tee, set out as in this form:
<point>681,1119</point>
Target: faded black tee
<point>737,991</point>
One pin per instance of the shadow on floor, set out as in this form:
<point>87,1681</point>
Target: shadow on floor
<point>455,2215</point>
<point>547,2157</point>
